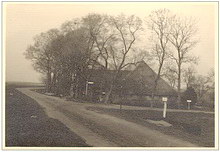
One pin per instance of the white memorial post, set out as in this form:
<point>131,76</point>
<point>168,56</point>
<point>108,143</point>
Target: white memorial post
<point>164,99</point>
<point>188,103</point>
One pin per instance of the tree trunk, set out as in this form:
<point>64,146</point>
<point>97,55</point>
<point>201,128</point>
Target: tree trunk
<point>76,89</point>
<point>152,101</point>
<point>108,94</point>
<point>58,85</point>
<point>179,87</point>
<point>111,87</point>
<point>120,106</point>
<point>54,79</point>
<point>71,90</point>
<point>48,81</point>
<point>155,87</point>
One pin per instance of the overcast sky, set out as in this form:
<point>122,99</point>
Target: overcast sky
<point>24,21</point>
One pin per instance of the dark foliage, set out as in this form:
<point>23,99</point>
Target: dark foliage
<point>189,94</point>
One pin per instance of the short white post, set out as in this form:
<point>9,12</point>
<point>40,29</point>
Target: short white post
<point>165,109</point>
<point>164,99</point>
<point>188,104</point>
<point>86,88</point>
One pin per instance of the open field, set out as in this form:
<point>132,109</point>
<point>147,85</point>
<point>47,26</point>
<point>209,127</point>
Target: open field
<point>23,84</point>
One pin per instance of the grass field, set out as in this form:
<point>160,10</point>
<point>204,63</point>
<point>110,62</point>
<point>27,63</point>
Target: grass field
<point>197,128</point>
<point>23,84</point>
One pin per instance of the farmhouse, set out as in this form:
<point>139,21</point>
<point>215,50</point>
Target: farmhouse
<point>135,85</point>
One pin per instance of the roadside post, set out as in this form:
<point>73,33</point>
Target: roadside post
<point>164,99</point>
<point>87,85</point>
<point>188,104</point>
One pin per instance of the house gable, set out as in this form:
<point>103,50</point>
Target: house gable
<point>144,77</point>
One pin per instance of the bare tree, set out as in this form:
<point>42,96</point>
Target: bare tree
<point>98,29</point>
<point>125,30</point>
<point>41,54</point>
<point>77,48</point>
<point>78,55</point>
<point>189,76</point>
<point>70,26</point>
<point>170,74</point>
<point>159,26</point>
<point>182,38</point>
<point>203,84</point>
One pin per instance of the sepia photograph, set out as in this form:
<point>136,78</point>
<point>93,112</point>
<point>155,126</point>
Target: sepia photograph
<point>110,75</point>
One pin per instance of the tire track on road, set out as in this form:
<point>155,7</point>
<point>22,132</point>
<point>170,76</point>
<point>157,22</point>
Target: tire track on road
<point>103,130</point>
<point>52,111</point>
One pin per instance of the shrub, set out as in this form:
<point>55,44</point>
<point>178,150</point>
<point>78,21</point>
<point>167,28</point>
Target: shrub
<point>189,94</point>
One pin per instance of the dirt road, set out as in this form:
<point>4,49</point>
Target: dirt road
<point>27,125</point>
<point>102,130</point>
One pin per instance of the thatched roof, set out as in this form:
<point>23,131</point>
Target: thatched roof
<point>98,76</point>
<point>140,81</point>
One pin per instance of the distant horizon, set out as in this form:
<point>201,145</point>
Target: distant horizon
<point>22,82</point>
